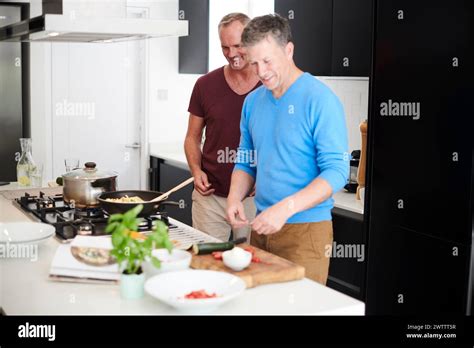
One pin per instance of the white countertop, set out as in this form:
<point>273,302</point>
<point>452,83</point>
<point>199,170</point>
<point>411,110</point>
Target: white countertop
<point>348,201</point>
<point>25,289</point>
<point>11,186</point>
<point>175,152</point>
<point>169,151</point>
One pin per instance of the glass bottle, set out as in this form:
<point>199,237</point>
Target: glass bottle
<point>25,163</point>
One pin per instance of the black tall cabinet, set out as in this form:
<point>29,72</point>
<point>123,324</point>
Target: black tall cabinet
<point>331,37</point>
<point>351,37</point>
<point>311,26</point>
<point>14,92</point>
<point>421,159</point>
<point>194,48</point>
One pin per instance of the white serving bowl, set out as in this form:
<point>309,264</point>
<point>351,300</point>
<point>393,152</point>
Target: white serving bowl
<point>25,232</point>
<point>237,261</point>
<point>177,260</point>
<point>171,288</point>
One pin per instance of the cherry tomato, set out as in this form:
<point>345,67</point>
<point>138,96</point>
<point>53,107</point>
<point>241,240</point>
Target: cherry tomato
<point>217,255</point>
<point>250,250</point>
<point>256,259</point>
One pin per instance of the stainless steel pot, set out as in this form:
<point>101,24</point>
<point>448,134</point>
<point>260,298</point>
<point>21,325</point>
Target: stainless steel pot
<point>81,187</point>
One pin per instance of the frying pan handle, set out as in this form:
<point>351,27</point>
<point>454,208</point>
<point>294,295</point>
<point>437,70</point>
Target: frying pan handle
<point>173,203</point>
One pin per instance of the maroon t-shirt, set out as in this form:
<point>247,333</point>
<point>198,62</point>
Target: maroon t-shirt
<point>221,107</point>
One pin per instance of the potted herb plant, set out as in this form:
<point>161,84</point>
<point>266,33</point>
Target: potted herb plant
<point>131,249</point>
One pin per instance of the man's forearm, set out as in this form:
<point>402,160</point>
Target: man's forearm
<point>313,194</point>
<point>240,186</point>
<point>192,149</point>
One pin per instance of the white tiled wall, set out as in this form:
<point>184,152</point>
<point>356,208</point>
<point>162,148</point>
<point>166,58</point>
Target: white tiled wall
<point>354,95</point>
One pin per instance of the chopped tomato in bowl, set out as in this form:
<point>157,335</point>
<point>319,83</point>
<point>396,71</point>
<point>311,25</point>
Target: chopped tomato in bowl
<point>199,294</point>
<point>195,291</point>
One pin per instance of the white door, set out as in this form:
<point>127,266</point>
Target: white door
<point>98,106</point>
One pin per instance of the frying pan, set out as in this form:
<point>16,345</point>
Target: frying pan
<point>149,208</point>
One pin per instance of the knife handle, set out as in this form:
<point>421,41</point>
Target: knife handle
<point>239,240</point>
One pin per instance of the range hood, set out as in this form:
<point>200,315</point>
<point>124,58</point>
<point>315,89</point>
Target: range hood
<point>53,26</point>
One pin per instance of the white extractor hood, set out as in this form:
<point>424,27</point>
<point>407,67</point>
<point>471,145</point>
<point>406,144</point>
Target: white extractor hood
<point>58,27</point>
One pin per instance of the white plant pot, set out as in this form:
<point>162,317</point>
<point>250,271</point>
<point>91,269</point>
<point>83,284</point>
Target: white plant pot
<point>132,286</point>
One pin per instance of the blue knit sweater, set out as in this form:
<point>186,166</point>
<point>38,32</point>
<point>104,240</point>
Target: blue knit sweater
<point>288,142</point>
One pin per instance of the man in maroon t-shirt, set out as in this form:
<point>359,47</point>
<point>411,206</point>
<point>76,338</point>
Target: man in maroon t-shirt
<point>216,103</point>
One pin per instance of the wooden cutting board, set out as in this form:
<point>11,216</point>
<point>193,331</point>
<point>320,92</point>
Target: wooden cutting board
<point>272,269</point>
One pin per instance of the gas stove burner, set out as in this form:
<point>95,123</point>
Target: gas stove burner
<point>88,213</point>
<point>45,202</point>
<point>85,229</point>
<point>162,215</point>
<point>68,215</point>
<point>69,221</point>
<point>143,223</point>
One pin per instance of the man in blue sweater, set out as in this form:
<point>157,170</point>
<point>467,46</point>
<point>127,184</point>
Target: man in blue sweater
<point>293,146</point>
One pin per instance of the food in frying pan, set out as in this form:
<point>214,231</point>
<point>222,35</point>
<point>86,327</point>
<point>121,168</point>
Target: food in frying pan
<point>126,199</point>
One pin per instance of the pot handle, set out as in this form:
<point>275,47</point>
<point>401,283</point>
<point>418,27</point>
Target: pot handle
<point>97,191</point>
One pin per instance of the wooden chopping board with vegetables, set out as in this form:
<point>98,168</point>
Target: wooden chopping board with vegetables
<point>265,267</point>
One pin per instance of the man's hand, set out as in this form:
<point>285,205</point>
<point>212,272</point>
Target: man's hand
<point>272,219</point>
<point>236,214</point>
<point>201,183</point>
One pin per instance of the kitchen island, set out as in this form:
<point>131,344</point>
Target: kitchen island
<point>26,289</point>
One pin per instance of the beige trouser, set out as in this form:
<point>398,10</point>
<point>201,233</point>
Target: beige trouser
<point>209,213</point>
<point>305,244</point>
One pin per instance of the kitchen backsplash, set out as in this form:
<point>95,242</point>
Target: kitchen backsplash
<point>354,95</point>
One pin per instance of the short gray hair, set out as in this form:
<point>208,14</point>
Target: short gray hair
<point>232,17</point>
<point>261,27</point>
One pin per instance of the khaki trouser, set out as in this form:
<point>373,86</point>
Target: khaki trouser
<point>209,213</point>
<point>305,244</point>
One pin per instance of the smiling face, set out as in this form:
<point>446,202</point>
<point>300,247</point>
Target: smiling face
<point>271,62</point>
<point>231,45</point>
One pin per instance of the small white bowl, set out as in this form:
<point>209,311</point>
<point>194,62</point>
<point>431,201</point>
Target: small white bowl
<point>236,263</point>
<point>177,260</point>
<point>172,287</point>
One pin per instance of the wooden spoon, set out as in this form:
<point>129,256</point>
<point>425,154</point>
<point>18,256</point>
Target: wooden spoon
<point>176,188</point>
